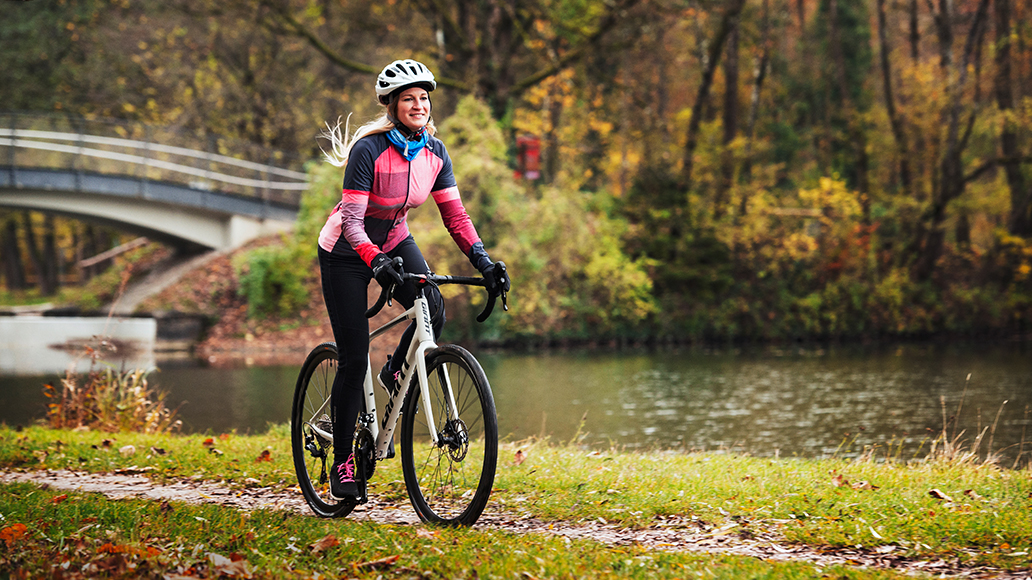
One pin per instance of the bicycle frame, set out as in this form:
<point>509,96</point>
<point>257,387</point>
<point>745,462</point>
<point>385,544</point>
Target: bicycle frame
<point>439,483</point>
<point>422,341</point>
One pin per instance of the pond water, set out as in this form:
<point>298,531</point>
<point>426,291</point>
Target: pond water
<point>809,402</point>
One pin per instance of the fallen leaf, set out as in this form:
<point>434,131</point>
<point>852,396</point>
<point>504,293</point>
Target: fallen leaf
<point>208,442</point>
<point>13,533</point>
<point>265,455</point>
<point>224,566</point>
<point>864,485</point>
<point>106,444</point>
<point>520,457</point>
<point>378,564</point>
<point>425,533</point>
<point>224,437</point>
<point>972,494</point>
<point>127,451</point>
<point>839,481</point>
<point>59,498</point>
<point>158,451</point>
<point>324,544</point>
<point>937,494</point>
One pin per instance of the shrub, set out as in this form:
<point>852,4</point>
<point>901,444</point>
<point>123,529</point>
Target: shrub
<point>272,278</point>
<point>107,400</point>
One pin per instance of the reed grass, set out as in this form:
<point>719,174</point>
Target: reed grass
<point>108,400</point>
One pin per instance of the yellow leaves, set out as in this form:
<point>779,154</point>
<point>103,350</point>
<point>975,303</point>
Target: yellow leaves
<point>833,198</point>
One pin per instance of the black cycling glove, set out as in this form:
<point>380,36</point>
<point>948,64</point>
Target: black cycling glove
<point>496,277</point>
<point>384,271</point>
<point>493,272</point>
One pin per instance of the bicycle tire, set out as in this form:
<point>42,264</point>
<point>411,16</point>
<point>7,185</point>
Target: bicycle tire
<point>312,451</point>
<point>450,484</point>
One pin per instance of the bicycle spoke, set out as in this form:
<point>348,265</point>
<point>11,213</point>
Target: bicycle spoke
<point>450,482</point>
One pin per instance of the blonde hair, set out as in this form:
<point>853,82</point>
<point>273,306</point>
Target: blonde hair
<point>341,142</point>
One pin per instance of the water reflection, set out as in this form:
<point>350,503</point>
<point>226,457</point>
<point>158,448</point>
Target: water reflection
<point>809,403</point>
<point>32,345</point>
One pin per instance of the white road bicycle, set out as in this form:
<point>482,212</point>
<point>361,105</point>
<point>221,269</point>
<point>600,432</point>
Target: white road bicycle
<point>449,431</point>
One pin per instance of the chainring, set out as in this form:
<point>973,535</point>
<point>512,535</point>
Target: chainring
<point>365,453</point>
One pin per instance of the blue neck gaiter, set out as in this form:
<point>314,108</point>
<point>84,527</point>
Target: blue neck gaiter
<point>408,148</point>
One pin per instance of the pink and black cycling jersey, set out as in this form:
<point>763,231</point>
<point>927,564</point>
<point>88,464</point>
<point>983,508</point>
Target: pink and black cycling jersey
<point>379,189</point>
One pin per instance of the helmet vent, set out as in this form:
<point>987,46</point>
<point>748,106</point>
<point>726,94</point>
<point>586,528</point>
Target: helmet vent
<point>401,74</point>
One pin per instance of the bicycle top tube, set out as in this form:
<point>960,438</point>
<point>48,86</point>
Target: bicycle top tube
<point>431,279</point>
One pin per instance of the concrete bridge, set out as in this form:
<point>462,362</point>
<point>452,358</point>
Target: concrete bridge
<point>152,181</point>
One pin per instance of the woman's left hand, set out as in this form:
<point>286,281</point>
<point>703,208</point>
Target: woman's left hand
<point>497,278</point>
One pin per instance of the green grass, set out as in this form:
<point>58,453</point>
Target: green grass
<point>987,519</point>
<point>87,534</point>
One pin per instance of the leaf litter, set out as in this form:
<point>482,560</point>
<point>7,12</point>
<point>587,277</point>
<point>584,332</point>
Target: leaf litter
<point>671,533</point>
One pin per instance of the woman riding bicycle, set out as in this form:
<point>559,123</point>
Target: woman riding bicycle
<point>393,163</point>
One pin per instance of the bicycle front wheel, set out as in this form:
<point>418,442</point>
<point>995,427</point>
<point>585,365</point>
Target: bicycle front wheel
<point>311,432</point>
<point>449,482</point>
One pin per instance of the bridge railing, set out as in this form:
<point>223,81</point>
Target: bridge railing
<point>145,152</point>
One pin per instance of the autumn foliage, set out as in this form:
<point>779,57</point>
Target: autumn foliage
<point>738,169</point>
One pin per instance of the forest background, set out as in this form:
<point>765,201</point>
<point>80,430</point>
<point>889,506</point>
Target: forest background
<point>710,169</point>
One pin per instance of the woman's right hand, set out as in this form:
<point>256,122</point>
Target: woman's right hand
<point>385,272</point>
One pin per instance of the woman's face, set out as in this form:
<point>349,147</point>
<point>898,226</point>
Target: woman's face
<point>414,108</point>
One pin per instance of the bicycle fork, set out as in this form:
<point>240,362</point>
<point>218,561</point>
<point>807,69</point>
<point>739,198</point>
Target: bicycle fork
<point>422,342</point>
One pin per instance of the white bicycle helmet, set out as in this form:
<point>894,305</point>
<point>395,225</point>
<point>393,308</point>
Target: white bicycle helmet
<point>402,74</point>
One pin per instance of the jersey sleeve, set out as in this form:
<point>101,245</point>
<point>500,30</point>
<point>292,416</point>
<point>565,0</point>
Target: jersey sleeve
<point>446,194</point>
<point>358,183</point>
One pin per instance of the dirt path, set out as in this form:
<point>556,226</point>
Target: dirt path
<point>672,534</point>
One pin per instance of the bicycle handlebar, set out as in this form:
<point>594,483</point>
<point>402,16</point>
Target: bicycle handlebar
<point>387,293</point>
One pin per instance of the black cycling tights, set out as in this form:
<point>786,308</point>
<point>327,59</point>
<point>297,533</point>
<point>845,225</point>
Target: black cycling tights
<point>345,282</point>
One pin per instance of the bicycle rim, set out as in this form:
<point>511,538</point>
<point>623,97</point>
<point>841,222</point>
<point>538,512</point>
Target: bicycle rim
<point>450,483</point>
<point>313,453</point>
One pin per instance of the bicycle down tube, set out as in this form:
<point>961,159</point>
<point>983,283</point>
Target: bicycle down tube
<point>422,341</point>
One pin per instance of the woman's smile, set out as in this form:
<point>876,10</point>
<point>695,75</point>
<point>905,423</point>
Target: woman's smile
<point>414,108</point>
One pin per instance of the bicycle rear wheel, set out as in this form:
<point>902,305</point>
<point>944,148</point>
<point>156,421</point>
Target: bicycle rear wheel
<point>311,432</point>
<point>450,482</point>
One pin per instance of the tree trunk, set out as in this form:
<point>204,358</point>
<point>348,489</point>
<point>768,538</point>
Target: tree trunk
<point>890,104</point>
<point>555,112</point>
<point>727,161</point>
<point>715,48</point>
<point>51,267</point>
<point>1020,223</point>
<point>951,184</point>
<point>14,270</point>
<point>857,137</point>
<point>759,75</point>
<point>36,257</point>
<point>915,34</point>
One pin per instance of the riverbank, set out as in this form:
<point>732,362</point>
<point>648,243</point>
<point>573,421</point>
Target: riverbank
<point>560,511</point>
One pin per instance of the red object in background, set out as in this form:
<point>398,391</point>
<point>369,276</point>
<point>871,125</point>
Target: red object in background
<point>528,156</point>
